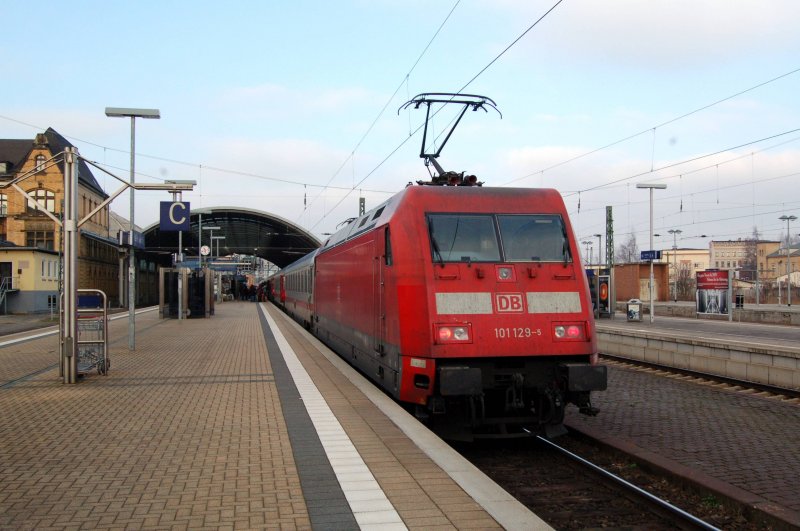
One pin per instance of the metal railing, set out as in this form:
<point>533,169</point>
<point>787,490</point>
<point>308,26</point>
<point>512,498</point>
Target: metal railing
<point>7,284</point>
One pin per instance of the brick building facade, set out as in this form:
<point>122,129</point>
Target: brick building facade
<point>26,224</point>
<point>631,281</point>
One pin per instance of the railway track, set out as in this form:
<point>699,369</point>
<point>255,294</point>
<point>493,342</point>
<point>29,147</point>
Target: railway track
<point>781,394</point>
<point>576,483</point>
<point>559,487</point>
<point>660,507</point>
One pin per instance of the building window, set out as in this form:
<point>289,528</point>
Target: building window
<point>45,197</point>
<point>40,162</point>
<point>43,239</point>
<point>3,205</point>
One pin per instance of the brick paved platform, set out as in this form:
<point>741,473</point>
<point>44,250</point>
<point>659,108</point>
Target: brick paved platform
<point>741,446</point>
<point>240,421</point>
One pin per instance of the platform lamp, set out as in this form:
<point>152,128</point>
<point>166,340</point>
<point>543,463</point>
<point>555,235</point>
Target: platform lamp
<point>651,187</point>
<point>133,114</point>
<point>586,257</point>
<point>675,233</point>
<point>601,260</point>
<point>788,219</point>
<point>211,247</point>
<point>216,239</point>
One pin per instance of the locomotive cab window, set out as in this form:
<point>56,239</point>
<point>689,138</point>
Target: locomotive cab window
<point>463,238</point>
<point>474,238</point>
<point>538,238</point>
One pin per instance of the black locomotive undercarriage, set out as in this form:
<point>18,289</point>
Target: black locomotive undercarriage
<point>510,397</point>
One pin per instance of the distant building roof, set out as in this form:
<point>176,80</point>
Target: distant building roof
<point>57,144</point>
<point>794,251</point>
<point>14,152</point>
<point>117,223</point>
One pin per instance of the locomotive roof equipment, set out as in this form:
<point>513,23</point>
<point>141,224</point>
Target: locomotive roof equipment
<point>469,101</point>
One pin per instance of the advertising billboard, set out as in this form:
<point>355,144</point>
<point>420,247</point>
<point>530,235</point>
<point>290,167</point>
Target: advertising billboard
<point>712,292</point>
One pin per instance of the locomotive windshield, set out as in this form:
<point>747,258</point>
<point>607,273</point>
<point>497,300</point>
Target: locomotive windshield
<point>463,238</point>
<point>538,238</point>
<point>474,238</point>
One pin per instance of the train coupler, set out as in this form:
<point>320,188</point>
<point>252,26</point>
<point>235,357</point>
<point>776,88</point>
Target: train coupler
<point>514,393</point>
<point>436,405</point>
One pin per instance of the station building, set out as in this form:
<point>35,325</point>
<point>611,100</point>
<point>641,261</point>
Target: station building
<point>632,281</point>
<point>30,237</point>
<point>744,256</point>
<point>683,265</point>
<point>775,264</point>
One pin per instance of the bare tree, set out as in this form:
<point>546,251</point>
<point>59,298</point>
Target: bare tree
<point>628,251</point>
<point>750,262</point>
<point>685,284</point>
<point>794,239</point>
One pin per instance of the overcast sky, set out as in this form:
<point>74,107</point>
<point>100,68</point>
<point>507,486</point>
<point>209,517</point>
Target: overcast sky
<point>270,105</point>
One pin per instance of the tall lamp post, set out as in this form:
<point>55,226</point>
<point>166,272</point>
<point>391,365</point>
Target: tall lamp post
<point>216,239</point>
<point>211,244</point>
<point>675,233</point>
<point>651,187</point>
<point>788,219</point>
<point>587,258</point>
<point>133,114</point>
<point>601,260</point>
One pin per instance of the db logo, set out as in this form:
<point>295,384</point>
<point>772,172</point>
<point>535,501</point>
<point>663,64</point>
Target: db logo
<point>509,302</point>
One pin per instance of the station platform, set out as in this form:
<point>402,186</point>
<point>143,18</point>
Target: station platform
<point>740,445</point>
<point>239,421</point>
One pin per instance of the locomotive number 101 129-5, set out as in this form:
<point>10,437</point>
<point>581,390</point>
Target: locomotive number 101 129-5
<point>516,332</point>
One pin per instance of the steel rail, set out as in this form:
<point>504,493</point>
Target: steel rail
<point>671,509</point>
<point>745,384</point>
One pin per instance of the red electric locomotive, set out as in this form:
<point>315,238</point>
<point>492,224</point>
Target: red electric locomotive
<point>467,303</point>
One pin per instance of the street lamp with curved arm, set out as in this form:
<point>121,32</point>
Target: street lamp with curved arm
<point>788,219</point>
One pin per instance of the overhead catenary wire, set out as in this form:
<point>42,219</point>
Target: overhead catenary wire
<point>653,128</point>
<point>715,220</point>
<point>467,84</point>
<point>343,188</point>
<point>282,180</point>
<point>244,174</point>
<point>687,161</point>
<point>695,222</point>
<point>300,183</point>
<point>716,165</point>
<point>388,102</point>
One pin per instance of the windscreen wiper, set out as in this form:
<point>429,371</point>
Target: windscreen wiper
<point>434,243</point>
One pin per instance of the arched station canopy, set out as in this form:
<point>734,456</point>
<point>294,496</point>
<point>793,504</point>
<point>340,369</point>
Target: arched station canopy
<point>246,232</point>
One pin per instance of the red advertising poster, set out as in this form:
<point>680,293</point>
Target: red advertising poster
<point>712,292</point>
<point>712,279</point>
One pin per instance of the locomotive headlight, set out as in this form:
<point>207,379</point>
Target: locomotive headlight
<point>453,334</point>
<point>505,273</point>
<point>461,333</point>
<point>569,332</point>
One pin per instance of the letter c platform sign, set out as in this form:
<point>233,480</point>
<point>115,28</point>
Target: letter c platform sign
<point>174,216</point>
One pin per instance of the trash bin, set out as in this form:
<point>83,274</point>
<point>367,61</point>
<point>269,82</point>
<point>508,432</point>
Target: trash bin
<point>740,301</point>
<point>634,310</point>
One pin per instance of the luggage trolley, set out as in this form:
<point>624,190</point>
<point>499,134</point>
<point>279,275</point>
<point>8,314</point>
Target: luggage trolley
<point>92,333</point>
